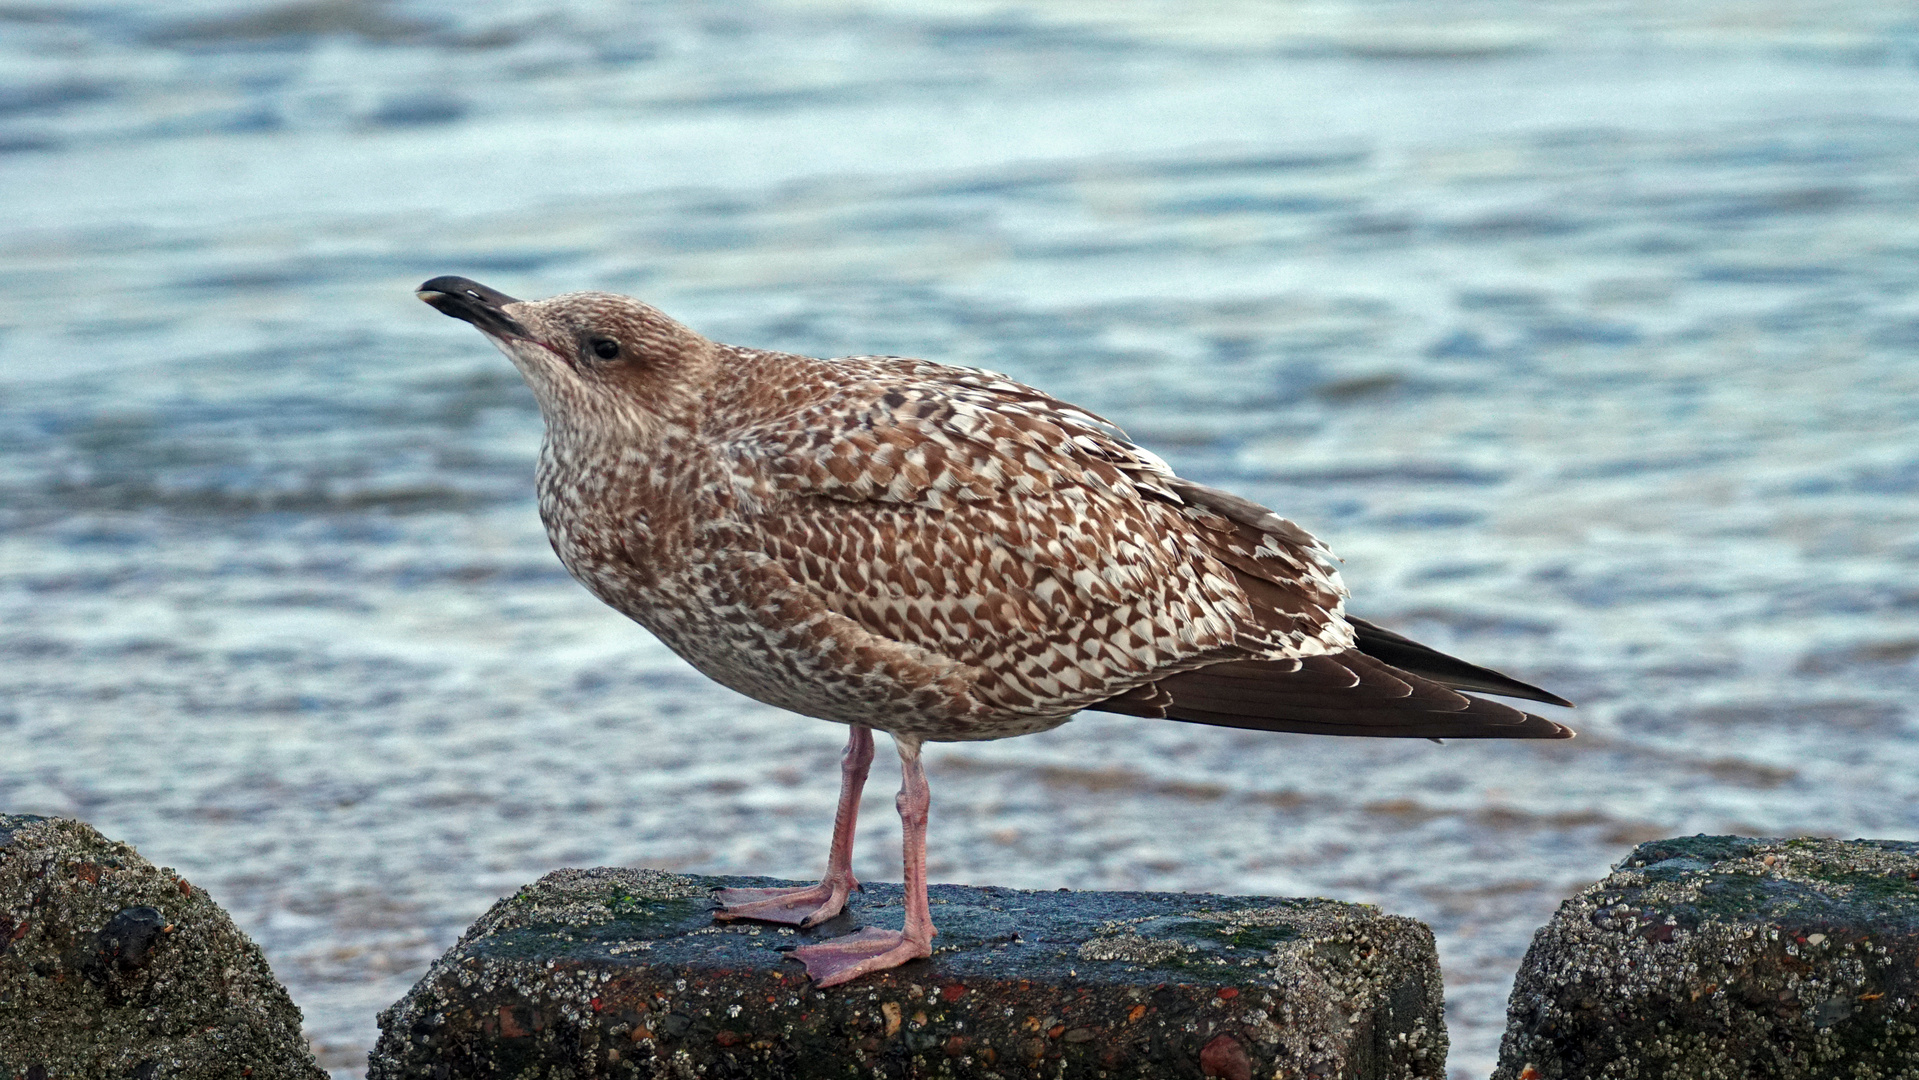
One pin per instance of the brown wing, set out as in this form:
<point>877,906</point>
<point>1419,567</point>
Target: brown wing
<point>990,524</point>
<point>964,514</point>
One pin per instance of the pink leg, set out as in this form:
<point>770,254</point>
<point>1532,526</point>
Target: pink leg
<point>815,904</point>
<point>837,961</point>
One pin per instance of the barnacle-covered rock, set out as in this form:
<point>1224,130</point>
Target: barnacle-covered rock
<point>1728,958</point>
<point>112,967</point>
<point>623,973</point>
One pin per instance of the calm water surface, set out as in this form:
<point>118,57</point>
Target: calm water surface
<point>1586,333</point>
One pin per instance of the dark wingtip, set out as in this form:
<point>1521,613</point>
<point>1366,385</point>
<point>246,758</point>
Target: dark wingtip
<point>1550,698</point>
<point>1529,726</point>
<point>1535,726</point>
<point>1408,655</point>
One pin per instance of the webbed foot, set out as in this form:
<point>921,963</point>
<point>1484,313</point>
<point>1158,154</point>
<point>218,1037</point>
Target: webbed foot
<point>844,959</point>
<point>803,907</point>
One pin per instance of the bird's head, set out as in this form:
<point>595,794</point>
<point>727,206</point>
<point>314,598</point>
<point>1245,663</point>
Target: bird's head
<point>591,358</point>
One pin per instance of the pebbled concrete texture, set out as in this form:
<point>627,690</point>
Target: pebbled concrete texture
<point>623,973</point>
<point>1728,958</point>
<point>111,967</point>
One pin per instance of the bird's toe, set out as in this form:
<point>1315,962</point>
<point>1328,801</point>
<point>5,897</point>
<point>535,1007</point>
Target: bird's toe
<point>831,963</point>
<point>804,907</point>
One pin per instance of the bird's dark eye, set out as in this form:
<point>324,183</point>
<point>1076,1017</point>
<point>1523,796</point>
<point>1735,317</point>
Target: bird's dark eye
<point>606,348</point>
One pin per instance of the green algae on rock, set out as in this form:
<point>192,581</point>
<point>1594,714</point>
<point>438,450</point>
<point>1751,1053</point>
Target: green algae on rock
<point>623,973</point>
<point>112,967</point>
<point>1728,958</point>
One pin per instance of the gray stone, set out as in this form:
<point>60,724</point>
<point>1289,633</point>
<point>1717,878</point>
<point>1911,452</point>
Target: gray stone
<point>1726,957</point>
<point>111,967</point>
<point>623,973</point>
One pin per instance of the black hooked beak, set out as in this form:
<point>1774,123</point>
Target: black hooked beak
<point>464,298</point>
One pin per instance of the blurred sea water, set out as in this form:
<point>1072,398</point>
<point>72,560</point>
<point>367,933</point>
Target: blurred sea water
<point>1588,334</point>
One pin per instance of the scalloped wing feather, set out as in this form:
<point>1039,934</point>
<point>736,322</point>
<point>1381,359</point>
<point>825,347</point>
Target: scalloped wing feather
<point>961,512</point>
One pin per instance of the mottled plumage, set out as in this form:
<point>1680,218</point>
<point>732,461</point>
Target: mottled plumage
<point>937,552</point>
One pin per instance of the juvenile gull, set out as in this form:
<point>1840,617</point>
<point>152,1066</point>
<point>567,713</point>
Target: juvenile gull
<point>940,553</point>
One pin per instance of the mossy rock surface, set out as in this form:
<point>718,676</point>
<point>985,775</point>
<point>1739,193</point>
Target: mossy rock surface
<point>624,973</point>
<point>112,967</point>
<point>1728,958</point>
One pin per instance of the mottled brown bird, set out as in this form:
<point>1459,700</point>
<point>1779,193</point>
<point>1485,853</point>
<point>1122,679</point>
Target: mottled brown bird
<point>940,553</point>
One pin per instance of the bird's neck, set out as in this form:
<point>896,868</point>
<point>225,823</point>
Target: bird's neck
<point>618,507</point>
